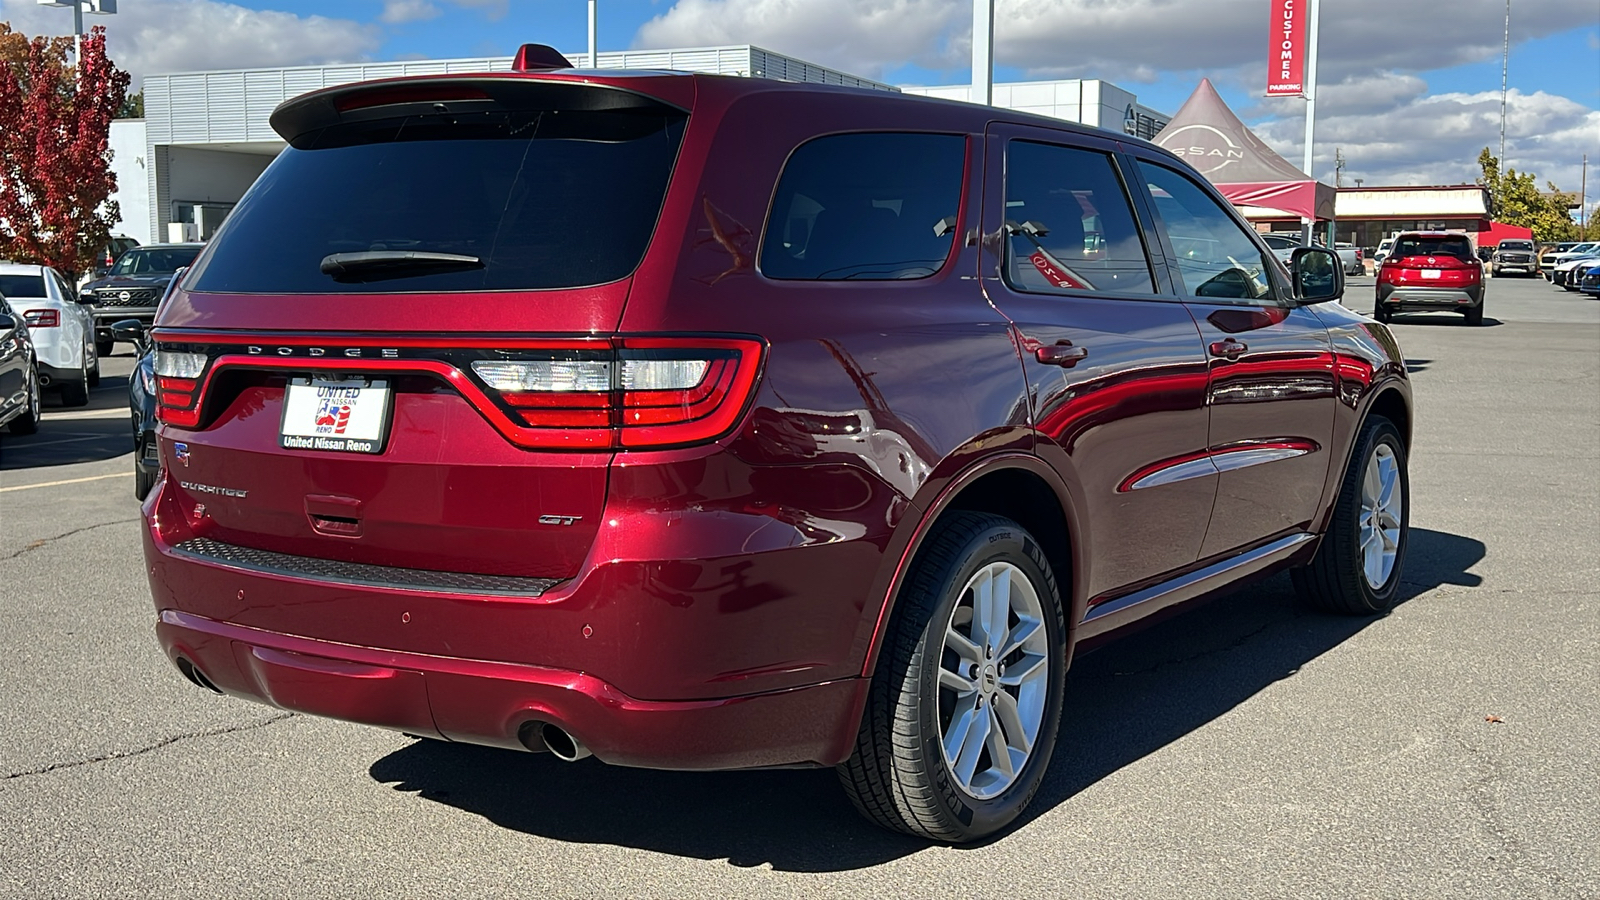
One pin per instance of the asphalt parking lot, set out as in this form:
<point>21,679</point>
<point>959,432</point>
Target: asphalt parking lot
<point>1247,748</point>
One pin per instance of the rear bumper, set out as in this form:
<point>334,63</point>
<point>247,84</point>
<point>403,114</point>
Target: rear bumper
<point>1419,298</point>
<point>485,702</point>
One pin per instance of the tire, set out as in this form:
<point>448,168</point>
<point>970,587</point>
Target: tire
<point>1343,578</point>
<point>926,687</point>
<point>1380,312</point>
<point>28,421</point>
<point>143,481</point>
<point>104,348</point>
<point>94,365</point>
<point>76,392</point>
<point>1475,315</point>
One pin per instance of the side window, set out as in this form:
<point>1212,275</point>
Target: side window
<point>1069,223</point>
<point>865,207</point>
<point>1214,256</point>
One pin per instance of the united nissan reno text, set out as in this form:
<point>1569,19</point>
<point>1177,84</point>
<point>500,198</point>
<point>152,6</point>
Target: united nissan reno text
<point>697,422</point>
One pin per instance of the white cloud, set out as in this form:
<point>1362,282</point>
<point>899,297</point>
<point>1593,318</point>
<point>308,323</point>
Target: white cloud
<point>864,37</point>
<point>398,12</point>
<point>156,36</point>
<point>1123,40</point>
<point>1436,139</point>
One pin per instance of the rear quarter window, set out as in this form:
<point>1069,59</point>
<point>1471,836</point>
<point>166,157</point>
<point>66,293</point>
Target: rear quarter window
<point>865,207</point>
<point>20,286</point>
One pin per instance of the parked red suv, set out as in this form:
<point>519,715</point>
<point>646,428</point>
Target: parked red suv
<point>1430,271</point>
<point>709,423</point>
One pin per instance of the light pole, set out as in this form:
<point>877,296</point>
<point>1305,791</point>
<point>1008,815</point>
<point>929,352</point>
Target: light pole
<point>594,30</point>
<point>79,7</point>
<point>983,52</point>
<point>1505,63</point>
<point>1308,225</point>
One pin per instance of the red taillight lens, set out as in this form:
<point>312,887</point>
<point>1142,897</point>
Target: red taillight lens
<point>43,318</point>
<point>178,387</point>
<point>643,393</point>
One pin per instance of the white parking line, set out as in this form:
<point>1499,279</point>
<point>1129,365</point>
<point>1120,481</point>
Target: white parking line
<point>71,440</point>
<point>50,416</point>
<point>24,487</point>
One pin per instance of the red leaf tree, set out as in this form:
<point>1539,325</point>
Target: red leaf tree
<point>55,156</point>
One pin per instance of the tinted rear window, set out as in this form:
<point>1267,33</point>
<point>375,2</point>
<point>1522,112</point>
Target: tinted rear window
<point>154,261</point>
<point>865,207</point>
<point>22,286</point>
<point>1458,247</point>
<point>544,198</point>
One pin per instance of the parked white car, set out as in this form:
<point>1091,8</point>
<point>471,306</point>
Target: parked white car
<point>62,330</point>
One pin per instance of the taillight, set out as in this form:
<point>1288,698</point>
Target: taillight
<point>645,392</point>
<point>42,318</point>
<point>177,383</point>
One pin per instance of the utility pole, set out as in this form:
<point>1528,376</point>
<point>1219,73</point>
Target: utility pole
<point>1505,64</point>
<point>1583,200</point>
<point>1306,225</point>
<point>983,51</point>
<point>1338,169</point>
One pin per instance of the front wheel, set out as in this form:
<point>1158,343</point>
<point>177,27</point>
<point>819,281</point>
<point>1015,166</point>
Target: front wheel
<point>1357,569</point>
<point>28,421</point>
<point>966,702</point>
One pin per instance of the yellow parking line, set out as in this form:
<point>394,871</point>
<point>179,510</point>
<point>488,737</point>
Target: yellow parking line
<point>23,487</point>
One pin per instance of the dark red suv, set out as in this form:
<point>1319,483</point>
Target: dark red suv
<point>710,423</point>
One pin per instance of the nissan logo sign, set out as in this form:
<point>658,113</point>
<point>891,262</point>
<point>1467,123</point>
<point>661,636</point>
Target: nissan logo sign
<point>124,296</point>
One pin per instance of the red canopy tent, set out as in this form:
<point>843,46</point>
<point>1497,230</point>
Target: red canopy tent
<point>1207,134</point>
<point>1499,231</point>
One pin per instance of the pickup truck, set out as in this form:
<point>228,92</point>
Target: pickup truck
<point>1350,255</point>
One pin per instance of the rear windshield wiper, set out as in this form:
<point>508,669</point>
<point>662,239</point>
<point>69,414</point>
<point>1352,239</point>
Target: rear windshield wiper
<point>376,265</point>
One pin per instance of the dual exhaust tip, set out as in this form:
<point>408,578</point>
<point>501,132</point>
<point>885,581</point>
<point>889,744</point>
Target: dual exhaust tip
<point>542,737</point>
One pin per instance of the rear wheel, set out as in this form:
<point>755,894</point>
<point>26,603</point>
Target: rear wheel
<point>76,391</point>
<point>1357,569</point>
<point>28,421</point>
<point>1380,312</point>
<point>964,708</point>
<point>1475,315</point>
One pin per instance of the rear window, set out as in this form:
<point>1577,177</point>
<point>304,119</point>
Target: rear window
<point>545,197</point>
<point>22,286</point>
<point>154,261</point>
<point>865,207</point>
<point>1444,245</point>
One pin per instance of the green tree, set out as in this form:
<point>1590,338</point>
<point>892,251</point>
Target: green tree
<point>132,107</point>
<point>1515,199</point>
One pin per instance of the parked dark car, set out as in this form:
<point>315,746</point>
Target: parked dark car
<point>698,422</point>
<point>19,374</point>
<point>1430,271</point>
<point>142,396</point>
<point>133,286</point>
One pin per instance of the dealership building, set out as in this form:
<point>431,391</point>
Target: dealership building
<point>205,136</point>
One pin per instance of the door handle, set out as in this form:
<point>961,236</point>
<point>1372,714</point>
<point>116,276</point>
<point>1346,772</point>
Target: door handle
<point>1062,354</point>
<point>1228,349</point>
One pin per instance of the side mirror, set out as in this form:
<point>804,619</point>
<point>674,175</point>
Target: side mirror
<point>1318,275</point>
<point>129,330</point>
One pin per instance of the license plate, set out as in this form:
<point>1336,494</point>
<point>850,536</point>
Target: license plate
<point>350,415</point>
<point>1430,274</point>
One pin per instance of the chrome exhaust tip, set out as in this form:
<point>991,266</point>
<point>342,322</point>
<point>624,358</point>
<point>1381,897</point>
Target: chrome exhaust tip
<point>561,744</point>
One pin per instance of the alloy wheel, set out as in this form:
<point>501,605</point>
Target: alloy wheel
<point>1382,510</point>
<point>993,680</point>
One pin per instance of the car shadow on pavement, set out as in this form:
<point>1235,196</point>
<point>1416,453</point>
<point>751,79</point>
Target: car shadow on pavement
<point>1124,702</point>
<point>69,435</point>
<point>1436,319</point>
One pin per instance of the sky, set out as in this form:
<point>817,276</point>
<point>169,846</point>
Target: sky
<point>1406,95</point>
